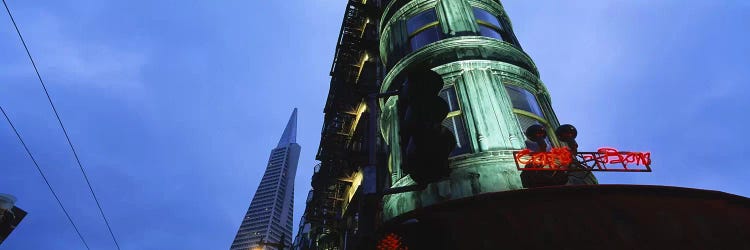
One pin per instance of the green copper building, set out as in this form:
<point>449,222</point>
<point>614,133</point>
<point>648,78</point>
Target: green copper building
<point>491,85</point>
<point>494,93</point>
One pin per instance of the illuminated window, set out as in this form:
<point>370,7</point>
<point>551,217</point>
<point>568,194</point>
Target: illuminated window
<point>423,29</point>
<point>454,121</point>
<point>489,25</point>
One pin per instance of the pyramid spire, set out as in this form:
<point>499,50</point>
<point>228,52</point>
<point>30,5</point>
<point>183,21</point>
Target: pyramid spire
<point>290,132</point>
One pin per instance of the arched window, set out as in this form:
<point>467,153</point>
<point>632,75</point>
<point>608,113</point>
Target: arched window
<point>489,25</point>
<point>423,29</point>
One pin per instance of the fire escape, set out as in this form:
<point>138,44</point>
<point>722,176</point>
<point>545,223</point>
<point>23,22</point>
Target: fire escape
<point>342,150</point>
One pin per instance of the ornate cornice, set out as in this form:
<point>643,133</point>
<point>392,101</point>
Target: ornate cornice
<point>460,49</point>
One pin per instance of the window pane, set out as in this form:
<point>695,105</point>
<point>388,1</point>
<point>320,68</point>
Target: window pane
<point>486,16</point>
<point>425,37</point>
<point>449,95</point>
<point>526,122</point>
<point>523,100</point>
<point>420,20</point>
<point>489,32</point>
<point>456,125</point>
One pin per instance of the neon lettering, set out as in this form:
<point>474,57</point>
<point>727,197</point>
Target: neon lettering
<point>638,158</point>
<point>391,242</point>
<point>561,158</point>
<point>610,155</point>
<point>557,158</point>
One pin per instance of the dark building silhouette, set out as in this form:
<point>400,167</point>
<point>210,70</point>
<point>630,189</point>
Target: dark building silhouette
<point>10,216</point>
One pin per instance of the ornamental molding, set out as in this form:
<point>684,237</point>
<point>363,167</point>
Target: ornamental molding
<point>466,48</point>
<point>410,7</point>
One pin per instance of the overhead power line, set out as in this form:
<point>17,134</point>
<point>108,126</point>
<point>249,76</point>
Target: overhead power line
<point>65,131</point>
<point>28,152</point>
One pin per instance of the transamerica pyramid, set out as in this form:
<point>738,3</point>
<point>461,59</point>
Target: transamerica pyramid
<point>269,216</point>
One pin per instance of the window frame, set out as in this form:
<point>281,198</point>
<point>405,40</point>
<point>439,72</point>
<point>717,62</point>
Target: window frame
<point>526,96</point>
<point>539,118</point>
<point>459,111</point>
<point>542,121</point>
<point>423,28</point>
<point>500,29</point>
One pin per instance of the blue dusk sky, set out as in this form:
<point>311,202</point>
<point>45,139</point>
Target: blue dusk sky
<point>174,106</point>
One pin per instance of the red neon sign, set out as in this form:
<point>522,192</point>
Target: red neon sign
<point>391,242</point>
<point>604,159</point>
<point>611,155</point>
<point>555,158</point>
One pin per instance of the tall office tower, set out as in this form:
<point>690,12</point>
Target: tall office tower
<point>269,217</point>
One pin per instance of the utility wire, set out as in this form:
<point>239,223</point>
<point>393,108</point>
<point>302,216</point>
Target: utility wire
<point>28,152</point>
<point>65,131</point>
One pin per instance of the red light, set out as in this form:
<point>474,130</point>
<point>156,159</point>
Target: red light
<point>391,242</point>
<point>556,158</point>
<point>561,158</point>
<point>611,155</point>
